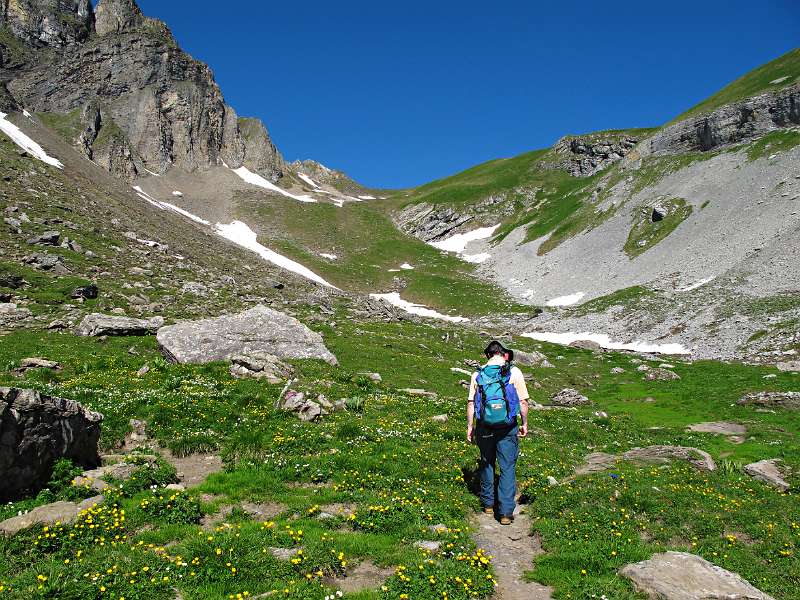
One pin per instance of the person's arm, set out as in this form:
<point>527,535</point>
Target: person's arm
<point>473,388</point>
<point>518,380</point>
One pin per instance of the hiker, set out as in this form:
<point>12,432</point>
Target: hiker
<point>497,396</point>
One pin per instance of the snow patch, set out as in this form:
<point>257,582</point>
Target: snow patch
<point>153,173</point>
<point>307,179</point>
<point>26,113</point>
<point>329,256</point>
<point>779,80</point>
<point>566,339</point>
<point>566,300</point>
<point>177,194</point>
<point>367,198</point>
<point>458,242</point>
<point>394,299</point>
<point>255,179</point>
<point>240,234</point>
<point>23,141</point>
<point>167,206</point>
<point>695,285</point>
<point>407,267</point>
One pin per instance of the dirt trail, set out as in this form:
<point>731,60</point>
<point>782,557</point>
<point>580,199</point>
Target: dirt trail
<point>513,549</point>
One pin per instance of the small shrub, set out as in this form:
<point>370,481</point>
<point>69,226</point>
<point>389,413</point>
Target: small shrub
<point>172,507</point>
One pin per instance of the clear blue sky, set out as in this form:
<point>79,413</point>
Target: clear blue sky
<point>401,93</point>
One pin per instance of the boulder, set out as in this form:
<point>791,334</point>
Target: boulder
<point>259,330</point>
<point>531,359</point>
<point>48,238</point>
<point>45,262</point>
<point>664,454</point>
<point>719,428</point>
<point>788,400</point>
<point>97,324</point>
<point>617,371</point>
<point>767,471</point>
<point>659,213</point>
<point>49,514</point>
<point>596,462</point>
<point>682,576</point>
<point>661,375</point>
<point>27,364</point>
<point>569,397</point>
<point>11,281</point>
<point>586,345</point>
<point>439,419</point>
<point>87,292</point>
<point>35,431</point>
<point>260,365</point>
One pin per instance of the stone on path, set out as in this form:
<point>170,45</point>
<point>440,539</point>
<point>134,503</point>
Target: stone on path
<point>258,330</point>
<point>35,431</point>
<point>767,471</point>
<point>682,576</point>
<point>513,551</point>
<point>97,324</point>
<point>49,514</point>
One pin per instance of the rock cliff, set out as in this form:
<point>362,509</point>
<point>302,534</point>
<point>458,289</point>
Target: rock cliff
<point>731,124</point>
<point>144,104</point>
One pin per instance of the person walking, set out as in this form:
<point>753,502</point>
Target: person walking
<point>498,397</point>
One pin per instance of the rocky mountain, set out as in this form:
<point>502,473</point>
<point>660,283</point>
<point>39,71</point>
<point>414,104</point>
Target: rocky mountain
<point>118,87</point>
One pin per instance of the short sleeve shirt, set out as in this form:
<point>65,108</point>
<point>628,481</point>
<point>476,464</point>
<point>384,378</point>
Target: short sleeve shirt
<point>517,380</point>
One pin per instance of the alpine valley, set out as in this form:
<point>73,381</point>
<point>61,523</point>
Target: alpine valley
<point>226,375</point>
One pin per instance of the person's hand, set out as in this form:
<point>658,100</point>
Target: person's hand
<point>469,433</point>
<point>523,430</point>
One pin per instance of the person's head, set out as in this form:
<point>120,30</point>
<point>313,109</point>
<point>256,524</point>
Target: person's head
<point>497,349</point>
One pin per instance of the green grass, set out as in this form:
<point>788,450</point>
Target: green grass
<point>645,233</point>
<point>755,82</point>
<point>628,297</point>
<point>402,472</point>
<point>368,245</point>
<point>67,125</point>
<point>773,143</point>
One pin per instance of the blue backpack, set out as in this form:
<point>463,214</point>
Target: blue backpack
<point>496,401</point>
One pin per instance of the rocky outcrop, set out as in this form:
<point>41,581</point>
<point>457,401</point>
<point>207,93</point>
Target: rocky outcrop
<point>260,330</point>
<point>583,156</point>
<point>682,576</point>
<point>116,16</point>
<point>145,105</point>
<point>731,124</point>
<point>260,365</point>
<point>787,400</point>
<point>35,431</point>
<point>97,324</point>
<point>598,462</point>
<point>54,23</point>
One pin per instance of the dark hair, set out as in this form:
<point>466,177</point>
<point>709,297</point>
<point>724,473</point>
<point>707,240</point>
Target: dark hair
<point>494,349</point>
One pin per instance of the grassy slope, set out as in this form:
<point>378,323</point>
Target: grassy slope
<point>368,246</point>
<point>753,83</point>
<point>402,472</point>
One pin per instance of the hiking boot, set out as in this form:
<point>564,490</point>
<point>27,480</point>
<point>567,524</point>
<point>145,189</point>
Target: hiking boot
<point>489,510</point>
<point>505,520</point>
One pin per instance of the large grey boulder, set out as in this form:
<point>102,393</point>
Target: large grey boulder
<point>260,330</point>
<point>768,471</point>
<point>683,576</point>
<point>35,431</point>
<point>49,514</point>
<point>665,454</point>
<point>97,324</point>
